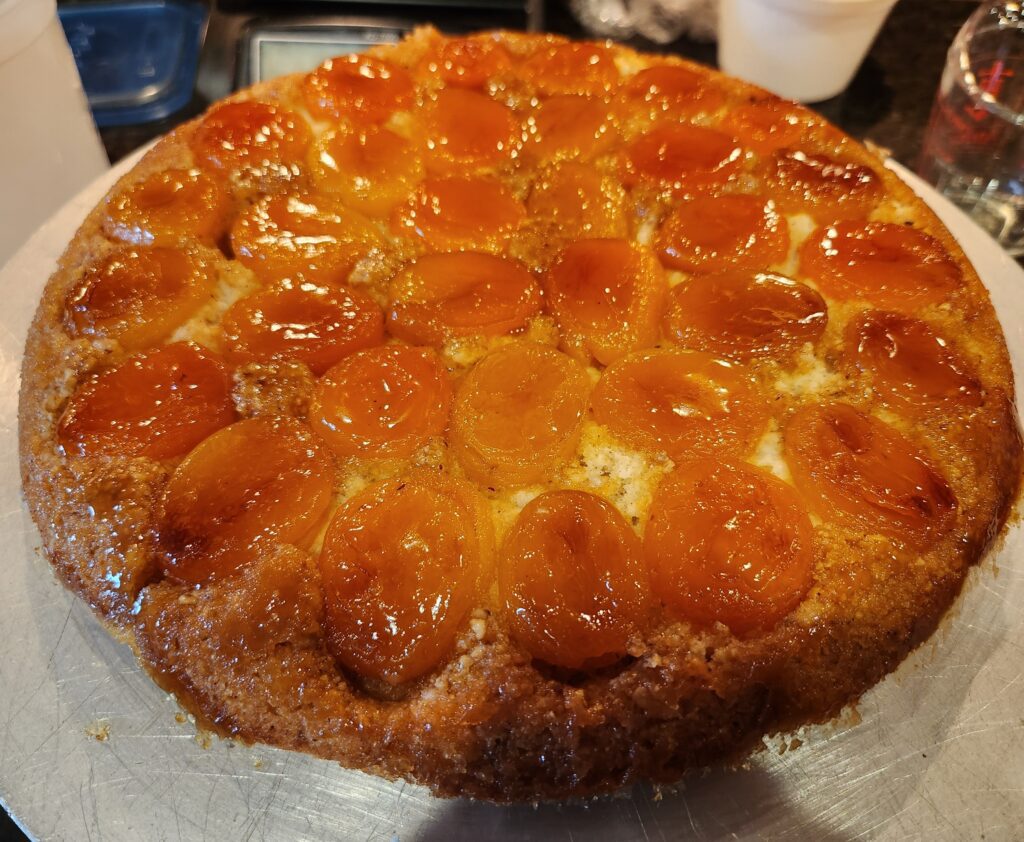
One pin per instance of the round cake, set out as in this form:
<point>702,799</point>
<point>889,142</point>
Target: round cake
<point>515,416</point>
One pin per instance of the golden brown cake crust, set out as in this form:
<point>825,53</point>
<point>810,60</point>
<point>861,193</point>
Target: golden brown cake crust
<point>248,654</point>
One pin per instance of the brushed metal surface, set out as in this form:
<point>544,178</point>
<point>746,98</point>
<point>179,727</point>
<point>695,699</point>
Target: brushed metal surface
<point>937,753</point>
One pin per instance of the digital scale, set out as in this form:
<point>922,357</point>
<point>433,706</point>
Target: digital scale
<point>270,46</point>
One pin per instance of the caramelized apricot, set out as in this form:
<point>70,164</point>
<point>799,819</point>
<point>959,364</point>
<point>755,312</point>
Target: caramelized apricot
<point>254,139</point>
<point>461,212</point>
<point>313,237</point>
<point>358,88</point>
<point>572,580</point>
<point>303,322</point>
<point>729,543</point>
<point>578,201</point>
<point>370,169</point>
<point>608,297</point>
<point>824,186</point>
<point>168,206</point>
<point>570,126</point>
<point>741,315</point>
<point>401,569</point>
<point>682,403</point>
<point>716,233</point>
<point>159,404</point>
<point>382,403</point>
<point>138,296</point>
<point>674,91</point>
<point>467,130</point>
<point>469,62</point>
<point>890,265</point>
<point>909,364</point>
<point>858,471</point>
<point>571,68</point>
<point>259,482</point>
<point>681,157</point>
<point>767,125</point>
<point>442,296</point>
<point>518,414</point>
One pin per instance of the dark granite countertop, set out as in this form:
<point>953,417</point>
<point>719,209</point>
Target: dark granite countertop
<point>888,101</point>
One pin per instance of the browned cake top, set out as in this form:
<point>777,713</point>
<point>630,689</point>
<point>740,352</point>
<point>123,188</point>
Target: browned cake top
<point>515,415</point>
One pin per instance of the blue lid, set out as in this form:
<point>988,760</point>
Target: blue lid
<point>137,60</point>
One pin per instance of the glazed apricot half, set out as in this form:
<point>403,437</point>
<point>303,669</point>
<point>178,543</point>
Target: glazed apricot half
<point>570,126</point>
<point>674,91</point>
<point>856,470</point>
<point>572,580</point>
<point>518,414</point>
<point>313,237</point>
<point>571,68</point>
<point>370,169</point>
<point>681,403</point>
<point>467,130</point>
<point>728,543</point>
<point>767,124</point>
<point>252,139</point>
<point>169,206</point>
<point>382,402</point>
<point>910,365</point>
<point>682,157</point>
<point>256,483</point>
<point>448,214</point>
<point>159,404</point>
<point>608,297</point>
<point>401,568</point>
<point>577,201</point>
<point>892,266</point>
<point>743,315</point>
<point>138,296</point>
<point>719,233</point>
<point>825,186</point>
<point>444,296</point>
<point>312,324</point>
<point>359,88</point>
<point>470,62</point>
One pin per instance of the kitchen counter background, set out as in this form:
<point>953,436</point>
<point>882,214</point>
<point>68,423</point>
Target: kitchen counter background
<point>888,101</point>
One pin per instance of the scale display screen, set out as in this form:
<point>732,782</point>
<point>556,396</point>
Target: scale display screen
<point>270,50</point>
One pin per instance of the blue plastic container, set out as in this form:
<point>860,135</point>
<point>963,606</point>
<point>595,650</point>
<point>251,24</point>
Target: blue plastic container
<point>138,60</point>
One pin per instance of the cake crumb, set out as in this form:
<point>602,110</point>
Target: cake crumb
<point>99,730</point>
<point>204,739</point>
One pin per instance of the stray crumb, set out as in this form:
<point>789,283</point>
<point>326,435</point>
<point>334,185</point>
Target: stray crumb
<point>180,718</point>
<point>257,763</point>
<point>99,730</point>
<point>204,739</point>
<point>795,743</point>
<point>658,794</point>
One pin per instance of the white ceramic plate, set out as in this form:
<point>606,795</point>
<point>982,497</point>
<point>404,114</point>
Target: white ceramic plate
<point>938,753</point>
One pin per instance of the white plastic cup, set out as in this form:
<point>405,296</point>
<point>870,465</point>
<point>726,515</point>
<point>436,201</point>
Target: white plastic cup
<point>807,50</point>
<point>49,147</point>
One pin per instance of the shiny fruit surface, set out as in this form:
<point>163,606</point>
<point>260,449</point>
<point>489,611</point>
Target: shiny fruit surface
<point>729,543</point>
<point>138,296</point>
<point>572,580</point>
<point>382,402</point>
<point>444,296</point>
<point>743,315</point>
<point>608,296</point>
<point>358,88</point>
<point>158,404</point>
<point>251,485</point>
<point>892,266</point>
<point>301,321</point>
<point>856,470</point>
<point>682,403</point>
<point>518,414</point>
<point>401,568</point>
